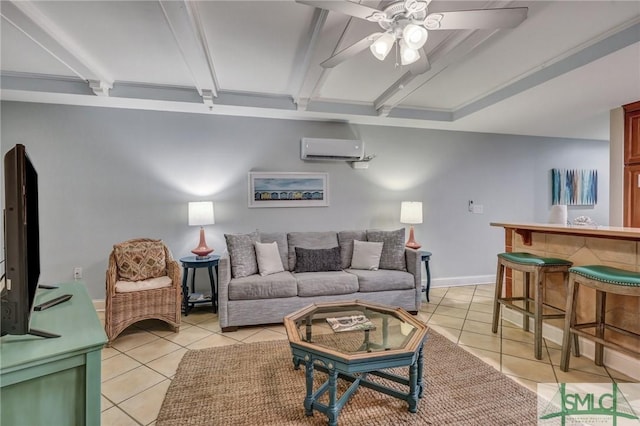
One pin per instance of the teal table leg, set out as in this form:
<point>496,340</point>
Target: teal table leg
<point>332,409</point>
<point>413,388</point>
<point>308,400</point>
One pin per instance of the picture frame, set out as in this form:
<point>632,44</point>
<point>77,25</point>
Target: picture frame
<point>288,189</point>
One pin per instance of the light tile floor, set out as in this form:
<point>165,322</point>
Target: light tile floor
<point>138,368</point>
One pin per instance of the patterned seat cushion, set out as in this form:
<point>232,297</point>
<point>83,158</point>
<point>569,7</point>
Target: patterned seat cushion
<point>141,260</point>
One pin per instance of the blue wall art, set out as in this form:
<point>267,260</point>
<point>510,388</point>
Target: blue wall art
<point>574,187</point>
<point>268,189</point>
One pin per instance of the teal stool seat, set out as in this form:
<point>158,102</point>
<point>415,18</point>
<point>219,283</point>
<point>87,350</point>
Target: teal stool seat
<point>531,259</point>
<point>609,275</point>
<point>534,269</point>
<point>604,280</point>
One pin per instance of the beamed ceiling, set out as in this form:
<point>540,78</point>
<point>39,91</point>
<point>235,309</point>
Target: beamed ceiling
<point>558,73</point>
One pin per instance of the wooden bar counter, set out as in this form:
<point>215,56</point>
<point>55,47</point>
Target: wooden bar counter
<point>583,245</point>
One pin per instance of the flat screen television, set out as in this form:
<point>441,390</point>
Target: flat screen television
<point>21,243</point>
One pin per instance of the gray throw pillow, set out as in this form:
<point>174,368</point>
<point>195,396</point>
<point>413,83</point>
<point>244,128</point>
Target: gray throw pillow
<point>242,253</point>
<point>392,250</point>
<point>318,260</point>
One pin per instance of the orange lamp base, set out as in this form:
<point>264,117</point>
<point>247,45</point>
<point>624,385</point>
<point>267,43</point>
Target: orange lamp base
<point>202,251</point>
<point>412,243</point>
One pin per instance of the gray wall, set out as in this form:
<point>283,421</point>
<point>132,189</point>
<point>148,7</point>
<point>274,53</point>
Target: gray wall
<point>107,175</point>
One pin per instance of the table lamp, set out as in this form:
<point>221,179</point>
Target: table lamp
<point>411,213</point>
<point>200,214</point>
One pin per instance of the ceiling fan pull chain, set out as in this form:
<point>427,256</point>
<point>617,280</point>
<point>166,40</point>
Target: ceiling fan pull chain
<point>397,54</point>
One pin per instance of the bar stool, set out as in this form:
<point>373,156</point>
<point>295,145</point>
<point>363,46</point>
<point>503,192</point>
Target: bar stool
<point>529,264</point>
<point>604,279</point>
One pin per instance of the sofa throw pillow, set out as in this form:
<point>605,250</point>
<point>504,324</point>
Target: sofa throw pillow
<point>366,255</point>
<point>318,260</point>
<point>140,260</point>
<point>345,239</point>
<point>268,258</point>
<point>393,249</point>
<point>242,254</point>
<point>281,239</point>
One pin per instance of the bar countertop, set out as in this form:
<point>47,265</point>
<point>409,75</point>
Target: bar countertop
<point>588,230</point>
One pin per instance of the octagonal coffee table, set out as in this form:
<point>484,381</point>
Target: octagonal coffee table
<point>355,341</point>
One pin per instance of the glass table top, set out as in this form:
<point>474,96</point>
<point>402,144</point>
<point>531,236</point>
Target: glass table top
<point>352,328</point>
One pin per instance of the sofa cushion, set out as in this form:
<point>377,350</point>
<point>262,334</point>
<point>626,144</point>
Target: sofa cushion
<point>366,255</point>
<point>140,260</point>
<point>150,284</point>
<point>383,280</point>
<point>281,284</point>
<point>326,283</point>
<point>281,239</point>
<point>268,258</point>
<point>310,240</point>
<point>345,239</point>
<point>393,249</point>
<point>318,260</point>
<point>242,254</point>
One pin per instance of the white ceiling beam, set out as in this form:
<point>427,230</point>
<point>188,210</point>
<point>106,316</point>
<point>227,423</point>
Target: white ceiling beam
<point>301,97</point>
<point>319,49</point>
<point>34,24</point>
<point>183,18</point>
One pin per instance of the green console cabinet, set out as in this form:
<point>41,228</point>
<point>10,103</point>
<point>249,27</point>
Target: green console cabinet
<point>54,381</point>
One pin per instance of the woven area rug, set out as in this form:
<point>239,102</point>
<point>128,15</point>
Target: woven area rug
<point>256,384</point>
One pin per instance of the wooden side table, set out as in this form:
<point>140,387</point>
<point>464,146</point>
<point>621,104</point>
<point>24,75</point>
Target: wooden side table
<point>188,299</point>
<point>426,256</point>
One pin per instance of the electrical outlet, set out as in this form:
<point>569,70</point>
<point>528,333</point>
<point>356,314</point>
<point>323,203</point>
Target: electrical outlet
<point>77,273</point>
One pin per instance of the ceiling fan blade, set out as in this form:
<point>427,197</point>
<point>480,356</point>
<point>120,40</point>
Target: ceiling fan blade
<point>476,19</point>
<point>345,7</point>
<point>350,51</point>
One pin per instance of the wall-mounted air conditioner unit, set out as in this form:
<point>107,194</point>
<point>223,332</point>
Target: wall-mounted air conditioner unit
<point>331,149</point>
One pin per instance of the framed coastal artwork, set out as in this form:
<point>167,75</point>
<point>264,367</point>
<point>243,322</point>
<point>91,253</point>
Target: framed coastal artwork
<point>578,187</point>
<point>288,189</point>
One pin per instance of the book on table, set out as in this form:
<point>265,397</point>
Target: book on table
<point>350,323</point>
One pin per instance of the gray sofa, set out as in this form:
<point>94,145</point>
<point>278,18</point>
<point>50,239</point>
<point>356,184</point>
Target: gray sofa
<point>247,298</point>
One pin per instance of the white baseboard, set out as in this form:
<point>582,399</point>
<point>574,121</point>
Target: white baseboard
<point>460,281</point>
<point>613,359</point>
<point>99,304</point>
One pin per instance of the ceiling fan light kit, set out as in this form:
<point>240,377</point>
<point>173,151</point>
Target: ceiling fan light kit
<point>408,23</point>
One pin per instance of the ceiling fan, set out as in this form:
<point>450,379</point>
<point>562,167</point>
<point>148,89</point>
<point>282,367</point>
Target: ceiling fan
<point>406,24</point>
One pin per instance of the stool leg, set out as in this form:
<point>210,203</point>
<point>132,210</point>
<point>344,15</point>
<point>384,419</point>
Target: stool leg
<point>575,345</point>
<point>569,321</point>
<point>601,302</point>
<point>526,294</point>
<point>498,295</point>
<point>537,328</point>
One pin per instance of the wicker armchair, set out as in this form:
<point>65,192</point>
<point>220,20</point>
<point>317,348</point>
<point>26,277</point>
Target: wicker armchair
<point>143,282</point>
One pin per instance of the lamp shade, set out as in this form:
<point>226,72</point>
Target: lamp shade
<point>201,213</point>
<point>407,54</point>
<point>411,212</point>
<point>415,36</point>
<point>382,46</point>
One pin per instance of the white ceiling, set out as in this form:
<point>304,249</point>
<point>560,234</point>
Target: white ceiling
<point>558,73</point>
